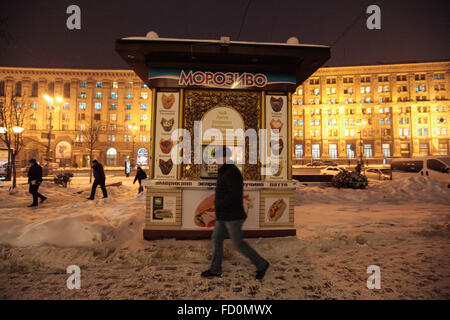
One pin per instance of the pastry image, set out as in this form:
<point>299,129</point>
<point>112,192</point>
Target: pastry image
<point>276,146</point>
<point>277,104</point>
<point>205,214</point>
<point>166,145</point>
<point>276,169</point>
<point>165,166</point>
<point>167,124</point>
<point>167,101</point>
<point>276,125</point>
<point>276,210</point>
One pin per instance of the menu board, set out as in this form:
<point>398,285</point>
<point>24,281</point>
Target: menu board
<point>276,121</point>
<point>166,122</point>
<point>163,209</point>
<point>199,211</point>
<point>276,210</point>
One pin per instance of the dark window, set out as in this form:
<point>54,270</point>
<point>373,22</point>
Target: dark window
<point>51,89</point>
<point>97,116</point>
<point>18,92</point>
<point>67,90</point>
<point>2,88</point>
<point>34,89</point>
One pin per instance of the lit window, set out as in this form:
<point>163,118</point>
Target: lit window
<point>115,85</point>
<point>113,95</point>
<point>98,84</point>
<point>82,84</point>
<point>143,106</point>
<point>98,95</point>
<point>82,105</point>
<point>144,95</point>
<point>129,95</point>
<point>143,117</point>
<point>144,85</point>
<point>98,106</point>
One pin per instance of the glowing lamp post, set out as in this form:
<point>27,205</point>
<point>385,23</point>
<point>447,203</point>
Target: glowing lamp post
<point>51,107</point>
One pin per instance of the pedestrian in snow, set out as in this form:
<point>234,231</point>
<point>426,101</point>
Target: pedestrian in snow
<point>99,180</point>
<point>35,180</point>
<point>358,168</point>
<point>140,175</point>
<point>230,216</point>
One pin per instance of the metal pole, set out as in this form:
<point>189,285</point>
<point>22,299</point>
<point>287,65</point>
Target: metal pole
<point>49,138</point>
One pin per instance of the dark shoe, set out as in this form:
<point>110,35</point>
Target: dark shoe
<point>32,205</point>
<point>261,273</point>
<point>90,198</point>
<point>208,274</point>
<point>43,199</point>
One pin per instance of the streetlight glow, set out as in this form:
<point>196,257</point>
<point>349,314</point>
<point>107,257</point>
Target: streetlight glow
<point>2,130</point>
<point>18,129</point>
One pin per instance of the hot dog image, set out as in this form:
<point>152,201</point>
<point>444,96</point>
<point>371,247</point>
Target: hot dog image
<point>276,124</point>
<point>276,104</point>
<point>167,101</point>
<point>276,169</point>
<point>276,210</point>
<point>205,214</point>
<point>166,145</point>
<point>277,146</point>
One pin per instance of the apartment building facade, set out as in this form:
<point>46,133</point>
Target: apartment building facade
<point>115,101</point>
<point>374,112</point>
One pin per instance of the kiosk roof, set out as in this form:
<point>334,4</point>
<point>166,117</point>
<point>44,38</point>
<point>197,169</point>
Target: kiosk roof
<point>142,54</point>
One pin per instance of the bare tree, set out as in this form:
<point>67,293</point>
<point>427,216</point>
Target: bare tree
<point>13,111</point>
<point>91,140</point>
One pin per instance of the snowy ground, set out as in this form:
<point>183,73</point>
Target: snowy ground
<point>401,226</point>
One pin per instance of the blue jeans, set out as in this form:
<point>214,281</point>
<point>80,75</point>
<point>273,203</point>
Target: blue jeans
<point>234,228</point>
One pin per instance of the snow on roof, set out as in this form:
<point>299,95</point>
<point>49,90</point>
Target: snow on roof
<point>219,42</point>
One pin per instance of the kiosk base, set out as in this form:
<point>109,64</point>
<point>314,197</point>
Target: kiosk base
<point>194,234</point>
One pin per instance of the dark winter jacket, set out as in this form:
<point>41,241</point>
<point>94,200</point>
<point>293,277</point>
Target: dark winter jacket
<point>140,175</point>
<point>99,174</point>
<point>35,173</point>
<point>228,200</point>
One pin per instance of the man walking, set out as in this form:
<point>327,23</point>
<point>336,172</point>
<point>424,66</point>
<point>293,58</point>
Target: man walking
<point>99,179</point>
<point>140,175</point>
<point>230,216</point>
<point>35,180</point>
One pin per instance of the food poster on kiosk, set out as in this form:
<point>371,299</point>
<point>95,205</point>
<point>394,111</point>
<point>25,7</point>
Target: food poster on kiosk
<point>165,123</point>
<point>163,209</point>
<point>276,210</point>
<point>199,212</point>
<point>277,124</point>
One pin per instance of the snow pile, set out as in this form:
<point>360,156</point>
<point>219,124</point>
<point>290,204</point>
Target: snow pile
<point>67,219</point>
<point>409,189</point>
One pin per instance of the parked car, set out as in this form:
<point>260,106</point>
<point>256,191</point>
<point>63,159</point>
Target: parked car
<point>330,163</point>
<point>331,171</point>
<point>315,164</point>
<point>378,174</point>
<point>3,169</point>
<point>434,167</point>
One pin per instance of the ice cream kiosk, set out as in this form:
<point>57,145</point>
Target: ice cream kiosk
<point>210,93</point>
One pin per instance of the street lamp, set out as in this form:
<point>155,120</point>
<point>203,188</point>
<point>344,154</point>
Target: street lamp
<point>133,130</point>
<point>51,106</point>
<point>360,144</point>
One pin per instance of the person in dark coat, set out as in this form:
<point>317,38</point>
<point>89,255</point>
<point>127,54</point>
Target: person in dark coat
<point>140,175</point>
<point>99,180</point>
<point>230,216</point>
<point>35,180</point>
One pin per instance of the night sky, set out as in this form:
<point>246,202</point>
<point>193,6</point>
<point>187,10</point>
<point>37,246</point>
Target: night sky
<point>36,33</point>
